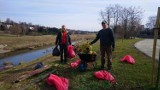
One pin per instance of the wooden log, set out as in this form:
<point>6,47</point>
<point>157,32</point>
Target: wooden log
<point>38,79</point>
<point>32,73</point>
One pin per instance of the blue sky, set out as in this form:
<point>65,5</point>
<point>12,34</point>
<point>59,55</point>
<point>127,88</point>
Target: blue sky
<point>75,14</point>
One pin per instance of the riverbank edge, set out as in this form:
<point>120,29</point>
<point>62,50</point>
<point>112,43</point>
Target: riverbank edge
<point>23,50</point>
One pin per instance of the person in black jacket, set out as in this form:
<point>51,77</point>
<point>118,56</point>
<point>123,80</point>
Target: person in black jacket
<point>63,40</point>
<point>107,44</point>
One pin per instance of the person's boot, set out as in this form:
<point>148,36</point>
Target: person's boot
<point>109,68</point>
<point>65,61</point>
<point>61,61</point>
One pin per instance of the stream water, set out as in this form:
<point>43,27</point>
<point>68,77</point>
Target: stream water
<point>26,57</point>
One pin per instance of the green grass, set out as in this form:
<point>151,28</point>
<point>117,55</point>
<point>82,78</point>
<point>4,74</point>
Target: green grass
<point>128,77</point>
<point>131,76</point>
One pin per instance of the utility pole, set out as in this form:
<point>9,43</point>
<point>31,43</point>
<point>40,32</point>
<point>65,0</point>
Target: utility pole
<point>157,82</point>
<point>154,45</point>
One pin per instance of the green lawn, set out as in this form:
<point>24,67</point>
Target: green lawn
<point>128,77</point>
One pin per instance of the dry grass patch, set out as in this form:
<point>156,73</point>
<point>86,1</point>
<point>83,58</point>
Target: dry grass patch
<point>22,42</point>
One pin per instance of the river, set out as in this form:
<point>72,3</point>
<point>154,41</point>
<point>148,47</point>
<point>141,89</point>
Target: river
<point>27,56</point>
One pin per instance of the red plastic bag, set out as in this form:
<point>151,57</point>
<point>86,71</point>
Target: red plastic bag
<point>75,64</point>
<point>59,83</point>
<point>128,59</point>
<point>105,76</point>
<point>70,51</point>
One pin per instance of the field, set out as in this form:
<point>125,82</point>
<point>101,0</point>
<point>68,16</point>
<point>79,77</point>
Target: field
<point>23,42</point>
<point>14,45</point>
<point>128,77</point>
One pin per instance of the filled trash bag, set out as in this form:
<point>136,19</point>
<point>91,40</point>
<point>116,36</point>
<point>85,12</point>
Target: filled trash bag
<point>104,75</point>
<point>59,82</point>
<point>70,51</point>
<point>55,51</point>
<point>75,64</point>
<point>129,59</point>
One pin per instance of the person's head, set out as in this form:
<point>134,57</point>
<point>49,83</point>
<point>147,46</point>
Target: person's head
<point>104,24</point>
<point>63,28</point>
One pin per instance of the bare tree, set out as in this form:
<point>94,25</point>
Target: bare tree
<point>9,21</point>
<point>134,19</point>
<point>126,18</point>
<point>152,21</point>
<point>107,14</point>
<point>116,16</point>
<point>24,28</point>
<point>15,29</point>
<point>148,25</point>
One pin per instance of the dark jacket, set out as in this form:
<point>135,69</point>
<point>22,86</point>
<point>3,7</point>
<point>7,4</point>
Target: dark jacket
<point>106,37</point>
<point>59,39</point>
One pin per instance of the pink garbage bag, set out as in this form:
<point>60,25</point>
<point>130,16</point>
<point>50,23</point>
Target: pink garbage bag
<point>102,74</point>
<point>59,82</point>
<point>70,51</point>
<point>75,64</point>
<point>129,59</point>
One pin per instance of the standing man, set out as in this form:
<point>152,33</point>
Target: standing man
<point>107,44</point>
<point>63,40</point>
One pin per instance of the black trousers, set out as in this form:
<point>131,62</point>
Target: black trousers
<point>63,52</point>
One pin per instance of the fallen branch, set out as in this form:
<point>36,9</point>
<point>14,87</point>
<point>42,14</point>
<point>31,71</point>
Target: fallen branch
<point>38,79</point>
<point>32,73</point>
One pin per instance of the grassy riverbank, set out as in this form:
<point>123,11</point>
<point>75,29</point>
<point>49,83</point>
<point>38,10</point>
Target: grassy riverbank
<point>15,44</point>
<point>128,77</point>
<point>22,42</point>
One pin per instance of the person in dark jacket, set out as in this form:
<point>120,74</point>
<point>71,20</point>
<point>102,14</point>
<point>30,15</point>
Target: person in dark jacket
<point>107,44</point>
<point>63,40</point>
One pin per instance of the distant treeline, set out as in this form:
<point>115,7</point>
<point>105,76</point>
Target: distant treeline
<point>148,33</point>
<point>22,28</point>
